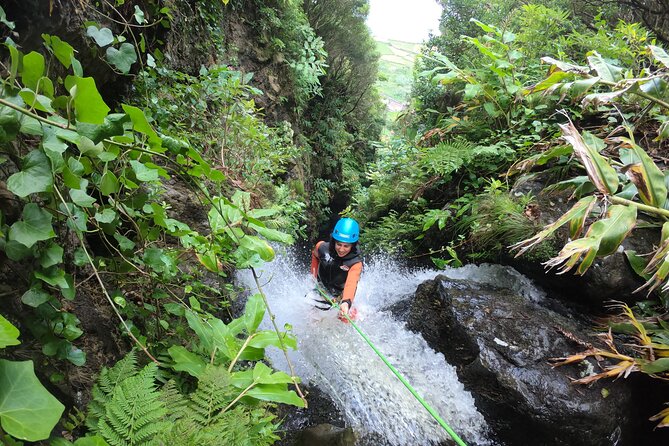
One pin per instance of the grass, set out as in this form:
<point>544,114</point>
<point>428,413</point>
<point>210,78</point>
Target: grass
<point>395,68</point>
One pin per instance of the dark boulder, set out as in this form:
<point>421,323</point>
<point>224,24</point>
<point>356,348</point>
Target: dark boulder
<point>501,344</point>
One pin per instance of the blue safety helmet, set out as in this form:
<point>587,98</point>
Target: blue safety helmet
<point>346,230</point>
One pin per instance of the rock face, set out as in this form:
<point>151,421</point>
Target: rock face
<point>501,344</point>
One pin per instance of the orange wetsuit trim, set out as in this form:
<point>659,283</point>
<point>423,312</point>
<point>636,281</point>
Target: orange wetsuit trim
<point>352,277</point>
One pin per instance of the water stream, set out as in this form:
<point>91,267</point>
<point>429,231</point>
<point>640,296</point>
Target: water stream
<point>332,356</point>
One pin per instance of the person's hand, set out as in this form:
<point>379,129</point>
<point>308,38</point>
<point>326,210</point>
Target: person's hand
<point>343,311</point>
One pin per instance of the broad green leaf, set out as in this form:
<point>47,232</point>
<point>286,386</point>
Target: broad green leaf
<point>52,255</point>
<point>139,15</point>
<point>35,225</point>
<point>102,36</point>
<point>276,393</point>
<point>142,172</point>
<point>660,55</point>
<point>9,334</point>
<point>203,331</point>
<point>53,276</point>
<point>122,58</point>
<point>112,126</point>
<point>637,263</point>
<point>62,50</point>
<point>124,243</point>
<point>225,341</point>
<point>9,122</point>
<point>263,375</point>
<point>33,69</point>
<point>35,175</point>
<point>35,297</point>
<point>106,216</point>
<point>77,218</point>
<point>263,339</point>
<point>109,183</point>
<point>88,103</point>
<point>605,70</point>
<point>646,176</point>
<point>254,312</point>
<point>27,410</point>
<point>602,175</point>
<point>81,198</point>
<point>141,125</point>
<point>54,148</point>
<point>208,260</point>
<point>16,251</point>
<point>91,441</point>
<point>255,245</point>
<point>603,238</point>
<point>185,361</point>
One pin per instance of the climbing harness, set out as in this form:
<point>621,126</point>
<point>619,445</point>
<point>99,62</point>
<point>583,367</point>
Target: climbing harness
<point>399,376</point>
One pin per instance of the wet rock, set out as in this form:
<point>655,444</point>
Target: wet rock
<point>501,343</point>
<point>321,423</point>
<point>326,435</point>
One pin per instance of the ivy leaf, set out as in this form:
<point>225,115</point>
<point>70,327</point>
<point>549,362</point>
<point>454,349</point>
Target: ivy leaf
<point>53,276</point>
<point>53,255</point>
<point>112,126</point>
<point>35,225</point>
<point>35,297</point>
<point>102,36</point>
<point>109,183</point>
<point>54,148</point>
<point>35,176</point>
<point>27,410</point>
<point>81,198</point>
<point>106,216</point>
<point>88,103</point>
<point>62,50</point>
<point>142,172</point>
<point>124,243</point>
<point>33,69</point>
<point>122,58</point>
<point>9,334</point>
<point>139,15</point>
<point>9,122</point>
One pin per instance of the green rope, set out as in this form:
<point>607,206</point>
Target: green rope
<point>399,376</point>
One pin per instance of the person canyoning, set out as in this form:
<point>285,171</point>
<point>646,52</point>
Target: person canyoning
<point>337,264</point>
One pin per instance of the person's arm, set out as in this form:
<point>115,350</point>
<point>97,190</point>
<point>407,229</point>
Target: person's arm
<point>350,287</point>
<point>315,261</point>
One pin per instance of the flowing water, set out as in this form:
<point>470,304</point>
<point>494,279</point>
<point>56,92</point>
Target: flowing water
<point>334,357</point>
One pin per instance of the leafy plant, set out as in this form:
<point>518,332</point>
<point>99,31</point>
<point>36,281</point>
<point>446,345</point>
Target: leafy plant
<point>27,410</point>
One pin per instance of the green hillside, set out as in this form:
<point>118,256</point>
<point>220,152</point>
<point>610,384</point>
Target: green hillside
<point>395,67</point>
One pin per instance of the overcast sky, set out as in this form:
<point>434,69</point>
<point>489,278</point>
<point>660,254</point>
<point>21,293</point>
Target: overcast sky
<point>408,20</point>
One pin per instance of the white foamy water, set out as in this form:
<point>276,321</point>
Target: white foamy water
<point>334,357</point>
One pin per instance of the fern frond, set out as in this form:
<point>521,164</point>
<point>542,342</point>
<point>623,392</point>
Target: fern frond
<point>135,414</point>
<point>106,385</point>
<point>213,394</point>
<point>175,403</point>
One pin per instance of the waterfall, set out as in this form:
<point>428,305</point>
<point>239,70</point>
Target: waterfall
<point>334,357</point>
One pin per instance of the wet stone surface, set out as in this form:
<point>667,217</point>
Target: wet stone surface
<point>501,344</point>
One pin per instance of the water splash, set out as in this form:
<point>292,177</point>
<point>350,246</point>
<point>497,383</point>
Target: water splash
<point>334,357</point>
